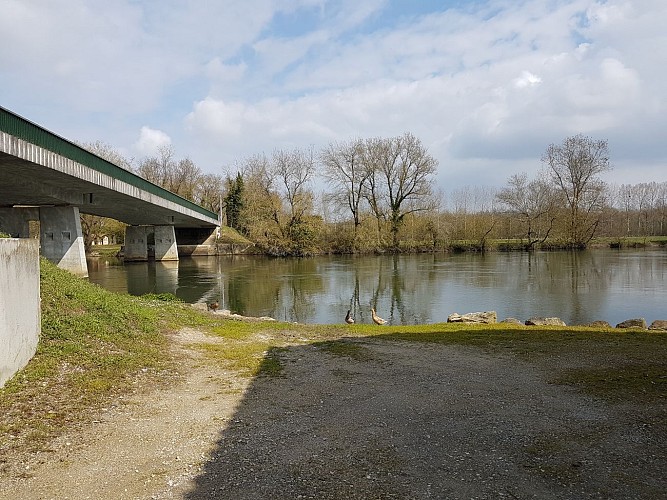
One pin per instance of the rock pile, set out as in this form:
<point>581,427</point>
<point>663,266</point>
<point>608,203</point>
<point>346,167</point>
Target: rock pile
<point>490,317</point>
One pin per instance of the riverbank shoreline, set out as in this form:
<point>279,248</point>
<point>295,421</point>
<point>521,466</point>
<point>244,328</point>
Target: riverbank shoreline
<point>221,249</point>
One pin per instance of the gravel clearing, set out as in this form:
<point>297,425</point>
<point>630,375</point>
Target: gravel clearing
<point>374,419</point>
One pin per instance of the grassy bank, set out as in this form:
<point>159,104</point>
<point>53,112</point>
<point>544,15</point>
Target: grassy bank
<point>97,346</point>
<point>94,347</point>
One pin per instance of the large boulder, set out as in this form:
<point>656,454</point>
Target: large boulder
<point>512,321</point>
<point>633,323</point>
<point>536,321</point>
<point>599,324</point>
<point>659,324</point>
<point>475,317</point>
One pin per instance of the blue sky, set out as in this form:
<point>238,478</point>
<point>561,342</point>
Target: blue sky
<point>486,85</point>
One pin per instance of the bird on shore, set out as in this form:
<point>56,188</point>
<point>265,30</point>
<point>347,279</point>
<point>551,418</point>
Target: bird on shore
<point>348,317</point>
<point>377,319</point>
<point>213,306</point>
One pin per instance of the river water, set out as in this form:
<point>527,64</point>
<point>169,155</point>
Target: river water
<point>578,287</point>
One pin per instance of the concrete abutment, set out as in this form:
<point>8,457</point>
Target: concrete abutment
<point>20,311</point>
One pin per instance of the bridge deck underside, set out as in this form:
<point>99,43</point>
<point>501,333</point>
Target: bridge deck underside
<point>26,183</point>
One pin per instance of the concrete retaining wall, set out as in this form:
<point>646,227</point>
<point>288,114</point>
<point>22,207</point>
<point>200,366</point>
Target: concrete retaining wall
<point>20,316</point>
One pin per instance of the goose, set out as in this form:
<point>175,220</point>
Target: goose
<point>348,317</point>
<point>377,319</point>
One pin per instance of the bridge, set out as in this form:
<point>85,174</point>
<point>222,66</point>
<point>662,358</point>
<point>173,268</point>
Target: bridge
<point>46,178</point>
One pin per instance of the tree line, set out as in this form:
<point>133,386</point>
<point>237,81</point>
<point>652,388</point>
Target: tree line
<point>380,196</point>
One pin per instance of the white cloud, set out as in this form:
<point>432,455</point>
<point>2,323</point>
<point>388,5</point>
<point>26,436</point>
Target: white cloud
<point>486,87</point>
<point>527,79</point>
<point>150,141</point>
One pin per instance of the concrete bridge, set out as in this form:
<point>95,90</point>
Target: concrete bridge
<point>48,179</point>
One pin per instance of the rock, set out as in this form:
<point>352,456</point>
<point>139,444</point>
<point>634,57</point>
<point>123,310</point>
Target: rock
<point>227,314</point>
<point>476,317</point>
<point>512,321</point>
<point>633,323</point>
<point>659,324</point>
<point>545,322</point>
<point>599,324</point>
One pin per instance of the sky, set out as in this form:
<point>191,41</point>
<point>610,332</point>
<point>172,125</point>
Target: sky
<point>486,85</point>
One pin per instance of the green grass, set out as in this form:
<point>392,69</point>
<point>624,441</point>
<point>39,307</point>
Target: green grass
<point>272,365</point>
<point>245,358</point>
<point>229,235</point>
<point>106,250</point>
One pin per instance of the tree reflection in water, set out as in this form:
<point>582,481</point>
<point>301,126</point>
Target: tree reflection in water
<point>579,287</point>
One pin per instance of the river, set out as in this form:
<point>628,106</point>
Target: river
<point>578,287</point>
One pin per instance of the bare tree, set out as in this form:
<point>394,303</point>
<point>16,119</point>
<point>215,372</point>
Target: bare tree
<point>646,195</point>
<point>208,192</point>
<point>376,153</point>
<point>401,173</point>
<point>294,171</point>
<point>184,178</point>
<point>661,207</point>
<point>462,207</point>
<point>109,153</point>
<point>262,201</point>
<point>278,200</point>
<point>94,227</point>
<point>530,201</point>
<point>159,169</point>
<point>625,200</point>
<point>343,166</point>
<point>575,167</point>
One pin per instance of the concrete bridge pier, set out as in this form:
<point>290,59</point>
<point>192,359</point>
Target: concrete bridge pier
<point>165,243</point>
<point>144,242</point>
<point>60,236</point>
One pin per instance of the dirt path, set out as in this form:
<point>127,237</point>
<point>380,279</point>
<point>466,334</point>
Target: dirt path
<point>359,418</point>
<point>145,447</point>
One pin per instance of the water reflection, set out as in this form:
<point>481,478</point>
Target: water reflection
<point>578,287</point>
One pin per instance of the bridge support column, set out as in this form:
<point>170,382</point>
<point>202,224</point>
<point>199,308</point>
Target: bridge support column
<point>136,243</point>
<point>165,243</point>
<point>148,242</point>
<point>61,238</point>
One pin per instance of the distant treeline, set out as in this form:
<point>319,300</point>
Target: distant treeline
<point>379,196</point>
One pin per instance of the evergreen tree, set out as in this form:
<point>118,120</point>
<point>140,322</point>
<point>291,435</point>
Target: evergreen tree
<point>234,203</point>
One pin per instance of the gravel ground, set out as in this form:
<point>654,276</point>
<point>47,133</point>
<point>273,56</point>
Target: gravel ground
<point>376,419</point>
